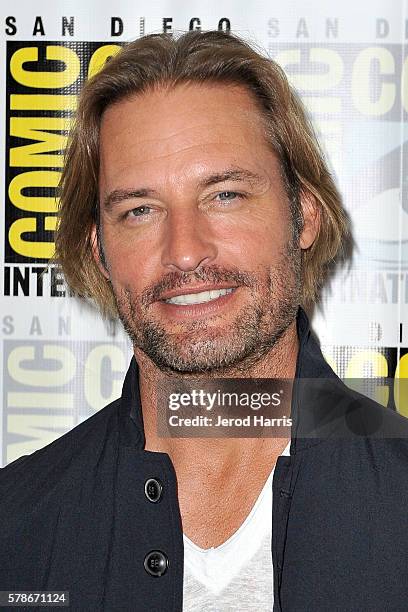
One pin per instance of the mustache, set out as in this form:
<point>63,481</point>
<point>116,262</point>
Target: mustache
<point>211,274</point>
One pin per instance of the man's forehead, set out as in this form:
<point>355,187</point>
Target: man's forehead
<point>188,112</point>
<point>181,136</point>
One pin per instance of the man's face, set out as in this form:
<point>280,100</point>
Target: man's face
<point>193,210</point>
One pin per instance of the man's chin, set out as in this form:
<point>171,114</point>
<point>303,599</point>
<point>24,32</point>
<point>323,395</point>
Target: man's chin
<point>212,357</point>
<point>190,360</point>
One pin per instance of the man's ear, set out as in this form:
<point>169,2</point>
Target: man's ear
<point>96,252</point>
<point>311,219</point>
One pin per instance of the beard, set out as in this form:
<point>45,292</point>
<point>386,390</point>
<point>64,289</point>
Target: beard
<point>231,345</point>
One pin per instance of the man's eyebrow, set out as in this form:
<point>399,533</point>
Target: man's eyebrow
<point>118,195</point>
<point>230,174</point>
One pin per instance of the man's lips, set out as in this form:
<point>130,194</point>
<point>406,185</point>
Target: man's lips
<point>194,289</point>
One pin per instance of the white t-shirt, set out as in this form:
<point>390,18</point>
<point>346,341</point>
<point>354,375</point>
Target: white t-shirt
<point>238,574</point>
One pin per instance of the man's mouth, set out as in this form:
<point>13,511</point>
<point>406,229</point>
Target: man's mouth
<point>199,298</point>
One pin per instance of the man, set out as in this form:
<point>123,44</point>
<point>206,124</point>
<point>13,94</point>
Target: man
<point>196,205</point>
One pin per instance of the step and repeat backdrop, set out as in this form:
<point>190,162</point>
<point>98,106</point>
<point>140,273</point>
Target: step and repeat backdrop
<point>60,362</point>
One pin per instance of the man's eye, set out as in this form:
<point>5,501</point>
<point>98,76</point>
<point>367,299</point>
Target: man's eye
<point>228,195</point>
<point>140,211</point>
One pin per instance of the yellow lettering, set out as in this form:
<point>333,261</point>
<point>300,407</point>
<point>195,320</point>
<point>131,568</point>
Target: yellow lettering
<point>36,178</point>
<point>45,80</point>
<point>28,248</point>
<point>401,386</point>
<point>100,57</point>
<point>36,154</point>
<point>43,102</point>
<point>369,364</point>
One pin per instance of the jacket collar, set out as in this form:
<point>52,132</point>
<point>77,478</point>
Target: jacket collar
<point>310,363</point>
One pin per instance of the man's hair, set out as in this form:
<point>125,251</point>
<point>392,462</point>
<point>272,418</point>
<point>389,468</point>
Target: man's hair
<point>162,60</point>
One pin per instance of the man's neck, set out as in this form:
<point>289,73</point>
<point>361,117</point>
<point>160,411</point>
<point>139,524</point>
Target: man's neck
<point>280,362</point>
<point>222,475</point>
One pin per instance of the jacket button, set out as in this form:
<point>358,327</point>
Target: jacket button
<point>153,490</point>
<point>156,563</point>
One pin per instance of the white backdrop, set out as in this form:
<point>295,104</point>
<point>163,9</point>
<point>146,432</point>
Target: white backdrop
<point>60,361</point>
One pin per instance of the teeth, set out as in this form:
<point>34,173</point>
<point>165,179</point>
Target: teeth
<point>198,298</point>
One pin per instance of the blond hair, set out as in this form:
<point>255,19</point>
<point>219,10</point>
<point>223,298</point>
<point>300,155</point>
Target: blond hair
<point>162,59</point>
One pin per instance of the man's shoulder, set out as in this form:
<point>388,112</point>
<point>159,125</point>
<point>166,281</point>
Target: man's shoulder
<point>57,480</point>
<point>83,440</point>
<point>351,406</point>
<point>367,416</point>
<point>344,417</point>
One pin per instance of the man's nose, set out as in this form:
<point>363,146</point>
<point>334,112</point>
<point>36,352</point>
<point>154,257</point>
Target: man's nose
<point>188,241</point>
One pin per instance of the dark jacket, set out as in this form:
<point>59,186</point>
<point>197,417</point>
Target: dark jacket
<point>75,516</point>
